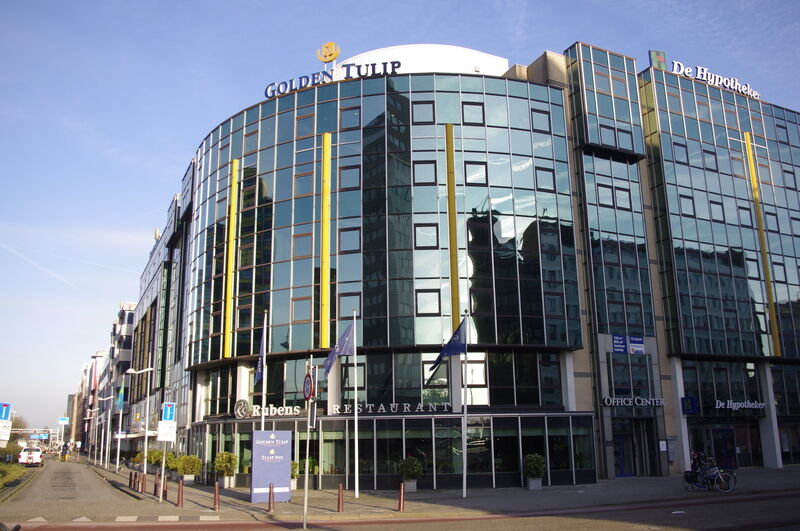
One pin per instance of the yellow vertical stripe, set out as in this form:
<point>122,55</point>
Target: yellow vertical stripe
<point>762,240</point>
<point>230,259</point>
<point>455,309</point>
<point>325,246</point>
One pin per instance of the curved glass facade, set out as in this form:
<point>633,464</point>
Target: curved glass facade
<point>389,220</point>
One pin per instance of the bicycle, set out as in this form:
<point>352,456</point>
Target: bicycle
<point>706,475</point>
<point>122,466</point>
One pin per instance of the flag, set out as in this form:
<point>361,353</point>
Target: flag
<point>344,347</point>
<point>456,345</point>
<point>121,395</point>
<point>262,353</point>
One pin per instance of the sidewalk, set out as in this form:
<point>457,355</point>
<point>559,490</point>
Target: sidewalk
<point>430,504</point>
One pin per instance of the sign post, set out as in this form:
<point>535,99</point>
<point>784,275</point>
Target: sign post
<point>167,432</point>
<point>308,394</point>
<point>5,423</point>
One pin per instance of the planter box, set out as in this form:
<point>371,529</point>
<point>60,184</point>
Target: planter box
<point>227,482</point>
<point>188,478</point>
<point>411,485</point>
<point>534,483</point>
<point>293,484</point>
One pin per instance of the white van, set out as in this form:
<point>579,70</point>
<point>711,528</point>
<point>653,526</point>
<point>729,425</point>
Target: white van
<point>31,456</point>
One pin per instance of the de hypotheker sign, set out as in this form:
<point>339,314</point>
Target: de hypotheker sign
<point>658,60</point>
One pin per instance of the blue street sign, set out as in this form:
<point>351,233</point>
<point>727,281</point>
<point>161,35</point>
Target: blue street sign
<point>168,411</point>
<point>5,411</point>
<point>619,344</point>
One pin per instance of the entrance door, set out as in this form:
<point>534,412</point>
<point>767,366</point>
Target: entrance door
<point>624,455</point>
<point>724,444</point>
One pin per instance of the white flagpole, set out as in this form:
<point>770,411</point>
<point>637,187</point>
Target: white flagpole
<point>263,369</point>
<point>464,411</point>
<point>355,398</point>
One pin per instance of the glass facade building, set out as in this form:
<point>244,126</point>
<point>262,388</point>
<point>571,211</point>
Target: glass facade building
<point>608,269</point>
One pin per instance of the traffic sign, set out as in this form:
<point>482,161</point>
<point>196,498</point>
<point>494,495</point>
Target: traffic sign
<point>5,430</point>
<point>5,411</point>
<point>121,435</point>
<point>168,411</point>
<point>308,387</point>
<point>63,421</point>
<point>167,431</point>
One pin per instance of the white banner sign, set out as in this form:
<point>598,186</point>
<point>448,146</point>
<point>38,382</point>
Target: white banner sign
<point>5,430</point>
<point>167,431</point>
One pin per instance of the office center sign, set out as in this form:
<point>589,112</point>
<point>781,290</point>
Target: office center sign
<point>272,456</point>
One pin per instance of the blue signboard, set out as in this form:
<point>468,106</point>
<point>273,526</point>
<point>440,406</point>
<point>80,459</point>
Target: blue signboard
<point>636,344</point>
<point>619,344</point>
<point>5,411</point>
<point>272,456</point>
<point>168,411</point>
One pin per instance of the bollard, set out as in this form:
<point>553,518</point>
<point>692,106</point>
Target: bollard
<point>130,480</point>
<point>216,495</point>
<point>143,487</point>
<point>155,485</point>
<point>340,504</point>
<point>180,492</point>
<point>271,500</point>
<point>401,505</point>
<point>164,493</point>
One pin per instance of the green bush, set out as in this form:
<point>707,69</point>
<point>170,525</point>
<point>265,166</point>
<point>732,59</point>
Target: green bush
<point>295,469</point>
<point>410,468</point>
<point>138,458</point>
<point>10,472</point>
<point>154,456</point>
<point>189,465</point>
<point>225,463</point>
<point>171,461</point>
<point>534,466</point>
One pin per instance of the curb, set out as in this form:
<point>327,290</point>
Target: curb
<point>124,490</point>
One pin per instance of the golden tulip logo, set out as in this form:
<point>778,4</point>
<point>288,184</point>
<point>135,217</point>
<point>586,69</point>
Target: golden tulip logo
<point>328,52</point>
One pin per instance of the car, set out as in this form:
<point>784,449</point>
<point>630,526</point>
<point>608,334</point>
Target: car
<point>31,456</point>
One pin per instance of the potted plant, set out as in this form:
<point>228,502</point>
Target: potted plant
<point>534,470</point>
<point>410,470</point>
<point>225,465</point>
<point>189,466</point>
<point>295,472</point>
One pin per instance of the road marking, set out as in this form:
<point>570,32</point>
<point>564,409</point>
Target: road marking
<point>208,517</point>
<point>82,519</point>
<point>37,519</point>
<point>169,518</point>
<point>126,518</point>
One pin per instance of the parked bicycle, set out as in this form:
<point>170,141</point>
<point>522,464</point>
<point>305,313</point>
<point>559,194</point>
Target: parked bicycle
<point>122,466</point>
<point>706,475</point>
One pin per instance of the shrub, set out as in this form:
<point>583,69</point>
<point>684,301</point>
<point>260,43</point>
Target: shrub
<point>225,463</point>
<point>295,469</point>
<point>534,466</point>
<point>138,458</point>
<point>410,468</point>
<point>171,461</point>
<point>189,465</point>
<point>154,456</point>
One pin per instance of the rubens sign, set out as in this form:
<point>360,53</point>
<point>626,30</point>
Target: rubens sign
<point>703,74</point>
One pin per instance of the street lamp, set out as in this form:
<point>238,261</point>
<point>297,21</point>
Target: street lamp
<point>93,433</point>
<point>146,412</point>
<point>104,445</point>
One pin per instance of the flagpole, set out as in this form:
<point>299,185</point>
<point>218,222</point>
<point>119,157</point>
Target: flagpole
<point>263,369</point>
<point>309,404</point>
<point>464,411</point>
<point>355,398</point>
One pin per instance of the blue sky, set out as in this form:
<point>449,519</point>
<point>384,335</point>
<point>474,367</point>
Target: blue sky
<point>103,103</point>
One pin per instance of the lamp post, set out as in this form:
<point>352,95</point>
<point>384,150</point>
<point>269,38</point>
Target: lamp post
<point>93,432</point>
<point>104,445</point>
<point>148,370</point>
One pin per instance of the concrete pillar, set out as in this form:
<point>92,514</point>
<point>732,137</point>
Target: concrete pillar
<point>682,451</point>
<point>768,425</point>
